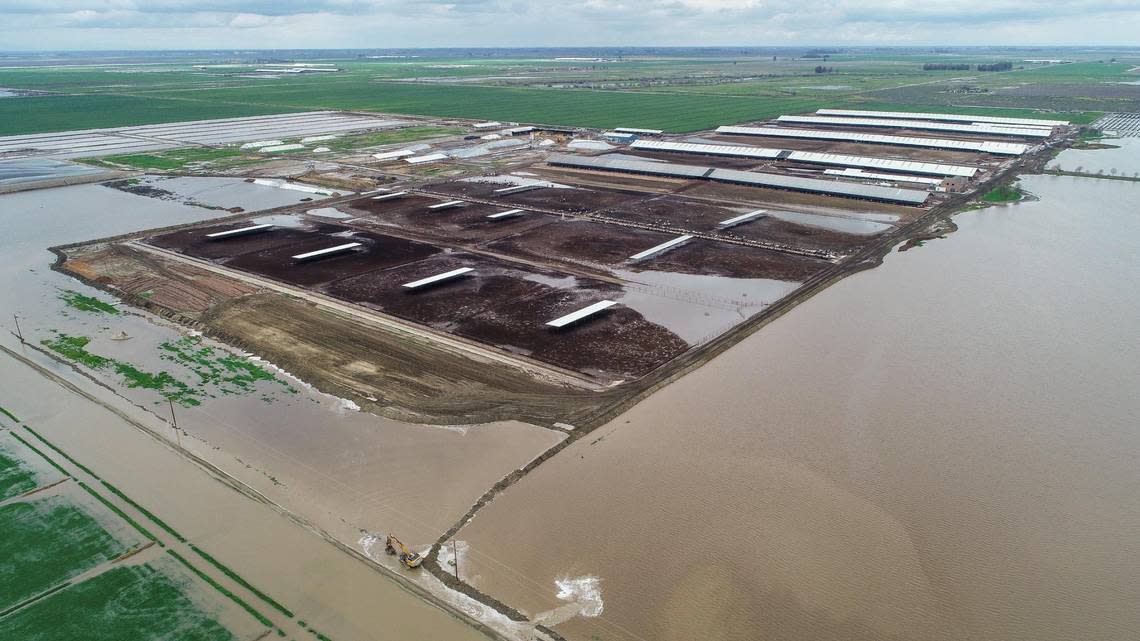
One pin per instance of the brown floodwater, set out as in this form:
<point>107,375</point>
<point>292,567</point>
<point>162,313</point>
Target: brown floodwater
<point>941,448</point>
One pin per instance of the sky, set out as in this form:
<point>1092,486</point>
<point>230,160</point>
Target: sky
<point>268,24</point>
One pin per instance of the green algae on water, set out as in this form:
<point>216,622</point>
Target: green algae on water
<point>86,303</point>
<point>231,374</point>
<point>74,348</point>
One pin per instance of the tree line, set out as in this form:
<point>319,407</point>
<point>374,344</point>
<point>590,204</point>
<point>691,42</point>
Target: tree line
<point>961,66</point>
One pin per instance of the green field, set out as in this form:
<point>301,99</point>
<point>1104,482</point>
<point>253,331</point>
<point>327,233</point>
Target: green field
<point>142,602</point>
<point>16,476</point>
<point>73,566</point>
<point>178,158</point>
<point>677,93</point>
<point>46,541</point>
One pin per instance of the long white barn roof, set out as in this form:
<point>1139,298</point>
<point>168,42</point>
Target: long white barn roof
<point>920,115</point>
<point>439,278</point>
<point>574,317</point>
<point>870,175</point>
<point>662,248</point>
<point>755,179</point>
<point>933,168</point>
<point>746,151</point>
<point>988,146</point>
<point>966,128</point>
<point>740,151</point>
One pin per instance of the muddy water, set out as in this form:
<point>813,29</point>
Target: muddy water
<point>30,169</point>
<point>334,592</point>
<point>941,448</point>
<point>1123,160</point>
<point>342,469</point>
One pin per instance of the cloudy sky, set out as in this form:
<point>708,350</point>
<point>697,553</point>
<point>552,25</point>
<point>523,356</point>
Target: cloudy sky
<point>178,24</point>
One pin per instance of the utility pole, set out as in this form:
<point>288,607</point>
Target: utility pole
<point>18,332</point>
<point>455,555</point>
<point>174,421</point>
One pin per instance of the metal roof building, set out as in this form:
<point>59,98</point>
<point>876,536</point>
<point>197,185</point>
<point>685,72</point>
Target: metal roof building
<point>965,128</point>
<point>415,160</point>
<point>574,317</point>
<point>933,168</point>
<point>328,251</point>
<point>393,155</point>
<point>741,219</point>
<point>637,130</point>
<point>241,231</point>
<point>755,179</point>
<point>516,189</point>
<point>815,185</point>
<point>438,278</point>
<point>867,175</point>
<point>739,151</point>
<point>744,151</point>
<point>510,213</point>
<point>988,146</point>
<point>999,120</point>
<point>613,163</point>
<point>662,248</point>
<point>447,205</point>
<point>396,195</point>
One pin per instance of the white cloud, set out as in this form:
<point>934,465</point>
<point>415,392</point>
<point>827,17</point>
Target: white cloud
<point>36,24</point>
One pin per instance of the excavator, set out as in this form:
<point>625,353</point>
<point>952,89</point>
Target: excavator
<point>410,559</point>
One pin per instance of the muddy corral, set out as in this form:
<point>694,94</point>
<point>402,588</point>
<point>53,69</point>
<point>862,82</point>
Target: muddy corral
<point>270,253</point>
<point>502,305</point>
<point>459,225</point>
<point>561,199</point>
<point>685,214</point>
<point>499,303</point>
<point>608,248</point>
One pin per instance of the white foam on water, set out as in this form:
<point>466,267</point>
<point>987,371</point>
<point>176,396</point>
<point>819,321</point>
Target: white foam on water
<point>584,591</point>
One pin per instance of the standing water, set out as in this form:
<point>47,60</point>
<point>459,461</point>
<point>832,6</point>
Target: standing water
<point>941,448</point>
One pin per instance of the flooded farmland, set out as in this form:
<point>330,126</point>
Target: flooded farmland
<point>941,448</point>
<point>346,470</point>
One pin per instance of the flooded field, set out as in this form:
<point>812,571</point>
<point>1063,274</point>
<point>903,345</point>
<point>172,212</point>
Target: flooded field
<point>941,448</point>
<point>217,193</point>
<point>312,452</point>
<point>24,170</point>
<point>1124,160</point>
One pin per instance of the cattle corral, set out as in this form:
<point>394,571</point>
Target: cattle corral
<point>669,244</point>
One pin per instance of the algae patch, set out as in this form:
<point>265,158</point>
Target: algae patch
<point>217,371</point>
<point>74,348</point>
<point>86,303</point>
<point>229,373</point>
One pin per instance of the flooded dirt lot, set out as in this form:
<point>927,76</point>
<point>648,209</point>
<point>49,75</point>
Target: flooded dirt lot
<point>499,303</point>
<point>466,225</point>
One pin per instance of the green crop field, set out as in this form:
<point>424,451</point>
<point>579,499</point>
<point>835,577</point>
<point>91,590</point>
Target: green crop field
<point>672,112</point>
<point>74,566</point>
<point>677,93</point>
<point>178,158</point>
<point>46,541</point>
<point>132,603</point>
<point>16,476</point>
<point>90,111</point>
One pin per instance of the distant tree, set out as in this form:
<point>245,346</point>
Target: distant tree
<point>997,66</point>
<point>945,66</point>
<point>823,69</point>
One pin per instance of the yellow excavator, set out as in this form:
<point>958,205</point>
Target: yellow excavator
<point>410,559</point>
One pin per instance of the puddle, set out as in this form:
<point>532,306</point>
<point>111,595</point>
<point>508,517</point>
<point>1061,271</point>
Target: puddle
<point>861,226</point>
<point>32,169</point>
<point>698,307</point>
